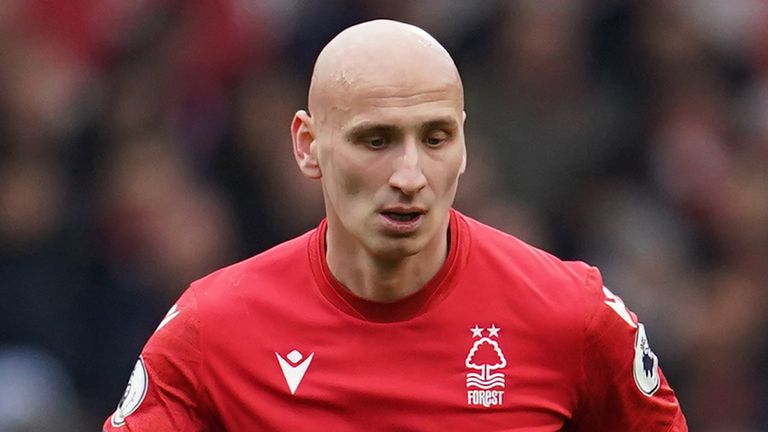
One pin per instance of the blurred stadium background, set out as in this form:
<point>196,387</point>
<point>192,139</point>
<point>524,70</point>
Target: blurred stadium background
<point>145,143</point>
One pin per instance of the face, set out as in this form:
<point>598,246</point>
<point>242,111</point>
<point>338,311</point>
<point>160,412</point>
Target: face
<point>389,160</point>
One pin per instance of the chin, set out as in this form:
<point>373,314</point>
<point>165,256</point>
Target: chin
<point>393,249</point>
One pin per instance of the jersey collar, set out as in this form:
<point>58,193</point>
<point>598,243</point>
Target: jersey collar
<point>406,308</point>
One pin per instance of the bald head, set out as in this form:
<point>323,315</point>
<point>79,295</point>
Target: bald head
<point>385,131</point>
<point>378,55</point>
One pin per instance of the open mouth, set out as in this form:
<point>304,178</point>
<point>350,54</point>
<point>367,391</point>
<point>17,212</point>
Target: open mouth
<point>402,217</point>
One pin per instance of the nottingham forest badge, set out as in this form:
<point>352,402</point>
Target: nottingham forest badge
<point>485,384</point>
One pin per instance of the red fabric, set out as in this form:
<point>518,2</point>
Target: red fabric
<point>535,331</point>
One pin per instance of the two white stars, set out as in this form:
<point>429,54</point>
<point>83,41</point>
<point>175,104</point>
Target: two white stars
<point>477,331</point>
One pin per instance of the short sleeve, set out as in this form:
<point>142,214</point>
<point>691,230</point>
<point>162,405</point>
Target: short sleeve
<point>163,392</point>
<point>623,387</point>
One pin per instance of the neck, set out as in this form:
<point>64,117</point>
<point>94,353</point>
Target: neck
<point>382,279</point>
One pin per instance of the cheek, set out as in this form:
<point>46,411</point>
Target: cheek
<point>352,176</point>
<point>445,173</point>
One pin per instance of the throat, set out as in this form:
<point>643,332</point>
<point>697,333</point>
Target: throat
<point>386,281</point>
<point>387,285</point>
<point>383,279</point>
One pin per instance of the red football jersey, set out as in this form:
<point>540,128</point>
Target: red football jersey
<point>504,337</point>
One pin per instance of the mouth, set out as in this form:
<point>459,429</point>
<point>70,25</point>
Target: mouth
<point>401,217</point>
<point>403,221</point>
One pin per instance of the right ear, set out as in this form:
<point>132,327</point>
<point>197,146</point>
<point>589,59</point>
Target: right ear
<point>303,145</point>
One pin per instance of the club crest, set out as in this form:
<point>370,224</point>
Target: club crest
<point>485,385</point>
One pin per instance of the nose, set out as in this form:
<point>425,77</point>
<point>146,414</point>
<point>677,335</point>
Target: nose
<point>407,175</point>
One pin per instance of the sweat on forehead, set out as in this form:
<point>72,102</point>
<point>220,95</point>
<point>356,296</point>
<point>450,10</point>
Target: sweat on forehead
<point>380,53</point>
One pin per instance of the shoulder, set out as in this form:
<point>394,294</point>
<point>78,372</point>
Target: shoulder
<point>531,267</point>
<point>255,276</point>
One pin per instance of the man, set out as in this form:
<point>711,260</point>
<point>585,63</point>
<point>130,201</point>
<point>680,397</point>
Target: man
<point>397,313</point>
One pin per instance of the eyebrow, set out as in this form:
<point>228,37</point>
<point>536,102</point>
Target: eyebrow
<point>441,123</point>
<point>372,126</point>
<point>368,127</point>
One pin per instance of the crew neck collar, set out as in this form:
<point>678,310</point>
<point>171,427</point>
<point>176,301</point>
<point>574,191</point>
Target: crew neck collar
<point>434,291</point>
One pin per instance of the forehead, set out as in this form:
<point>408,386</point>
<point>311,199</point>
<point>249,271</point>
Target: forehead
<point>397,97</point>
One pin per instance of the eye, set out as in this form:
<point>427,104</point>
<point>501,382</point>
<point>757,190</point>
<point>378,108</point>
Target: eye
<point>436,138</point>
<point>375,142</point>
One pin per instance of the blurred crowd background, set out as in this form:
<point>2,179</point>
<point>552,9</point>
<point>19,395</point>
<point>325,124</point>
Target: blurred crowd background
<point>145,143</point>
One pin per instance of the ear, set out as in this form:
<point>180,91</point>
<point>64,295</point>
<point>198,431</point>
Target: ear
<point>464,156</point>
<point>303,148</point>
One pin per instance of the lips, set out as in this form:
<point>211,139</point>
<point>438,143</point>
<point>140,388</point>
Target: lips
<point>401,217</point>
<point>402,220</point>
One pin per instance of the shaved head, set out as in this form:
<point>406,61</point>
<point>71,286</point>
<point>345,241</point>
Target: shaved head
<point>380,54</point>
<point>385,137</point>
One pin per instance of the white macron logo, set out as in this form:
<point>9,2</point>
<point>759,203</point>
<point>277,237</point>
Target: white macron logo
<point>293,371</point>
